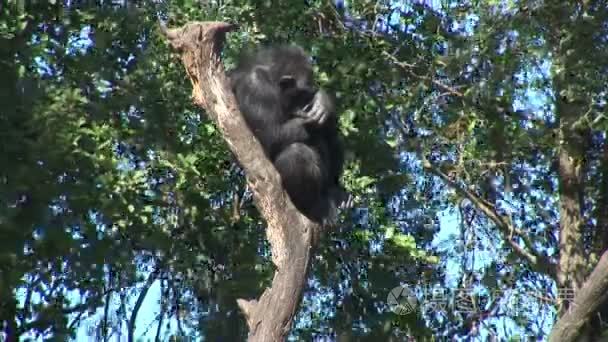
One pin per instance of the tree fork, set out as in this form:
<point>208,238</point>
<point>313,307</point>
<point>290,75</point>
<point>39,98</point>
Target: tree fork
<point>291,235</point>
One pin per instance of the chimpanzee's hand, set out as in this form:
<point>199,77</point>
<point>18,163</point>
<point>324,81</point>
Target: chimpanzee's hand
<point>320,109</point>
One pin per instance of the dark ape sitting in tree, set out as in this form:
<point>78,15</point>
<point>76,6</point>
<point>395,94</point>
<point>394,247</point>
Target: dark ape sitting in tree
<point>296,125</point>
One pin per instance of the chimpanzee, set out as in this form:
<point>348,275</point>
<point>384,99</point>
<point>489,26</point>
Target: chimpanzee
<point>296,125</point>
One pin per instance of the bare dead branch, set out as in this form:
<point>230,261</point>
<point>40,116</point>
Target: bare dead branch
<point>290,233</point>
<point>589,298</point>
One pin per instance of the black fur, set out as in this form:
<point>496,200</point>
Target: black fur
<point>296,125</point>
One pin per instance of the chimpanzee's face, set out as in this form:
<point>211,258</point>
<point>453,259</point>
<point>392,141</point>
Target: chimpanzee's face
<point>296,92</point>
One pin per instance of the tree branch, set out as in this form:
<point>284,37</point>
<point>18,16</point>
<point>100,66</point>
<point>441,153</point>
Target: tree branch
<point>589,298</point>
<point>140,300</point>
<point>537,260</point>
<point>496,106</point>
<point>290,233</point>
<point>409,68</point>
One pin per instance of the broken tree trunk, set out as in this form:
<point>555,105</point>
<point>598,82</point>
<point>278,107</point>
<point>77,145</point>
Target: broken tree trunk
<point>291,234</point>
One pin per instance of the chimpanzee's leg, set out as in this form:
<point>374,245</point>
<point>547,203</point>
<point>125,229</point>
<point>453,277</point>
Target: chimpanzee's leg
<point>304,177</point>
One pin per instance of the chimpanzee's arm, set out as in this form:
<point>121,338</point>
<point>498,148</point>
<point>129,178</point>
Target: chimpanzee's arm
<point>321,111</point>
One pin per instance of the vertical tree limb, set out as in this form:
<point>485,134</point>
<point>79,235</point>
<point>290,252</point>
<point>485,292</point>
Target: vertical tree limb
<point>290,233</point>
<point>139,302</point>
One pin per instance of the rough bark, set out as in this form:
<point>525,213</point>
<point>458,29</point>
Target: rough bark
<point>572,263</point>
<point>601,235</point>
<point>290,234</point>
<point>591,297</point>
<point>571,159</point>
<point>572,64</point>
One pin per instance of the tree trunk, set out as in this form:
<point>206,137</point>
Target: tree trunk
<point>291,235</point>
